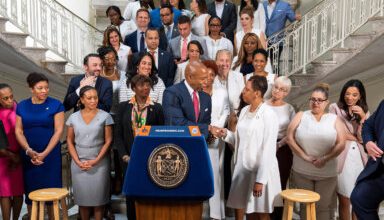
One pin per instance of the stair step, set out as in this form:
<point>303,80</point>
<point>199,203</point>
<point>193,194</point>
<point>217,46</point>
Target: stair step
<point>359,40</point>
<point>2,23</point>
<point>299,79</point>
<point>54,66</point>
<point>342,54</point>
<point>17,40</point>
<point>324,62</point>
<point>36,54</point>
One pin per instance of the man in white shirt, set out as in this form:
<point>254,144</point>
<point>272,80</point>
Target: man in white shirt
<point>178,45</point>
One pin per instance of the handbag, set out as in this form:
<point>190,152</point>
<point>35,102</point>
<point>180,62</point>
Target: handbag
<point>3,137</point>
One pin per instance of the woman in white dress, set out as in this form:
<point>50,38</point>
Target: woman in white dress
<point>255,184</point>
<point>113,38</point>
<point>285,113</point>
<point>195,51</point>
<point>260,58</point>
<point>125,27</point>
<point>246,21</point>
<point>352,109</point>
<point>199,21</point>
<point>219,116</point>
<point>214,40</point>
<point>258,14</point>
<point>316,139</point>
<point>144,66</point>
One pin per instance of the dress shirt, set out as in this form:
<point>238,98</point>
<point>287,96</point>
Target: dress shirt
<point>155,56</point>
<point>182,41</point>
<point>270,8</point>
<point>190,90</point>
<point>219,8</point>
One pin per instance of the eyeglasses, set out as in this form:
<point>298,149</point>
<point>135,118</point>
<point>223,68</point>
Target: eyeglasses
<point>279,89</point>
<point>318,101</point>
<point>215,25</point>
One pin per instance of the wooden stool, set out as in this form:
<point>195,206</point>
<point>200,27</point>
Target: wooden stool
<point>299,195</point>
<point>39,197</point>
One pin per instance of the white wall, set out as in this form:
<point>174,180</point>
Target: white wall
<point>82,8</point>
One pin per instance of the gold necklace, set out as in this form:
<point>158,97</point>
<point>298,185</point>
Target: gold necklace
<point>109,76</point>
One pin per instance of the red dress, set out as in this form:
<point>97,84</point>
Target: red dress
<point>11,178</point>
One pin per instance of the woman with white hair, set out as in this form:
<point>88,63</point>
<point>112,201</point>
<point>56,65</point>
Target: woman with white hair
<point>285,113</point>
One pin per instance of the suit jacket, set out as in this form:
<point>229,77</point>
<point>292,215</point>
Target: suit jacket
<point>131,40</point>
<point>123,133</point>
<point>228,18</point>
<point>178,108</point>
<point>155,17</point>
<point>104,90</point>
<point>174,46</point>
<point>175,32</point>
<point>166,66</point>
<point>279,17</point>
<point>373,130</point>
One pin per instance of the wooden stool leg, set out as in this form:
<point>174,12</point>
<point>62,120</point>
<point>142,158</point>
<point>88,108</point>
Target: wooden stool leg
<point>56,212</point>
<point>34,210</point>
<point>64,209</point>
<point>41,211</point>
<point>313,211</point>
<point>308,211</point>
<point>288,210</point>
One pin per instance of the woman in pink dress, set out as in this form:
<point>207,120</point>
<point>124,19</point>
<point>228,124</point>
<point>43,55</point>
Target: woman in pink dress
<point>11,176</point>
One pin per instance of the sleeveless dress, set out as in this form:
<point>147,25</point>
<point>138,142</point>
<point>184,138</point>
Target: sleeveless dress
<point>90,188</point>
<point>316,138</point>
<point>198,25</point>
<point>11,178</point>
<point>38,124</point>
<point>353,159</point>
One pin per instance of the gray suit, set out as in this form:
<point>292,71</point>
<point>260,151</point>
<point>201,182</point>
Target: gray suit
<point>174,46</point>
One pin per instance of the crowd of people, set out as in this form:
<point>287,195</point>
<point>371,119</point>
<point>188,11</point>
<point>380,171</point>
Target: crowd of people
<point>173,66</point>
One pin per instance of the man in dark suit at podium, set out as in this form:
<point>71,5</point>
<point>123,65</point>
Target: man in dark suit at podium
<point>185,104</point>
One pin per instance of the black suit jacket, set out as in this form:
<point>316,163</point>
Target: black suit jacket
<point>228,19</point>
<point>104,91</point>
<point>123,133</point>
<point>166,66</point>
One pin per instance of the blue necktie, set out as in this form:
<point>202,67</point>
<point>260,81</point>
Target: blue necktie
<point>169,33</point>
<point>142,45</point>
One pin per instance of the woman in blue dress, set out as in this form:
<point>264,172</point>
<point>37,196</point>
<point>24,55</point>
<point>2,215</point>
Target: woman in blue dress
<point>39,126</point>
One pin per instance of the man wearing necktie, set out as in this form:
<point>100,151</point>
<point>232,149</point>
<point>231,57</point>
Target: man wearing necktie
<point>166,68</point>
<point>185,103</point>
<point>168,26</point>
<point>136,40</point>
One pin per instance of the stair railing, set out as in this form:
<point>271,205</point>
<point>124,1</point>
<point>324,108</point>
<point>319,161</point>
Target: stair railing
<point>54,27</point>
<point>323,28</point>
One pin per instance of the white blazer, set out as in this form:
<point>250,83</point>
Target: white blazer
<point>220,104</point>
<point>260,156</point>
<point>235,87</point>
<point>180,72</point>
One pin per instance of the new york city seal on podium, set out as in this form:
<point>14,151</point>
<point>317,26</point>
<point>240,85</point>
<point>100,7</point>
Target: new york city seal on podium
<point>168,166</point>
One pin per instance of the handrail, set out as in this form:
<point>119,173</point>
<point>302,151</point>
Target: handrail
<point>321,29</point>
<point>53,26</point>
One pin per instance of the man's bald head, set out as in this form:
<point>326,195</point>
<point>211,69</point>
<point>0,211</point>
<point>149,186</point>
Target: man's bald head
<point>196,75</point>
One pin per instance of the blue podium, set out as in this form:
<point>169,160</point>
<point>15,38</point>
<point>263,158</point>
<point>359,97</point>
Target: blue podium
<point>169,174</point>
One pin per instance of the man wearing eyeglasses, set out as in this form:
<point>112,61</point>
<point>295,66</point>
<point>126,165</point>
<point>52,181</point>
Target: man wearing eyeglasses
<point>369,189</point>
<point>167,16</point>
<point>157,19</point>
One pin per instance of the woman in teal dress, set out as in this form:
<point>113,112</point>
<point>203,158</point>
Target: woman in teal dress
<point>39,126</point>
